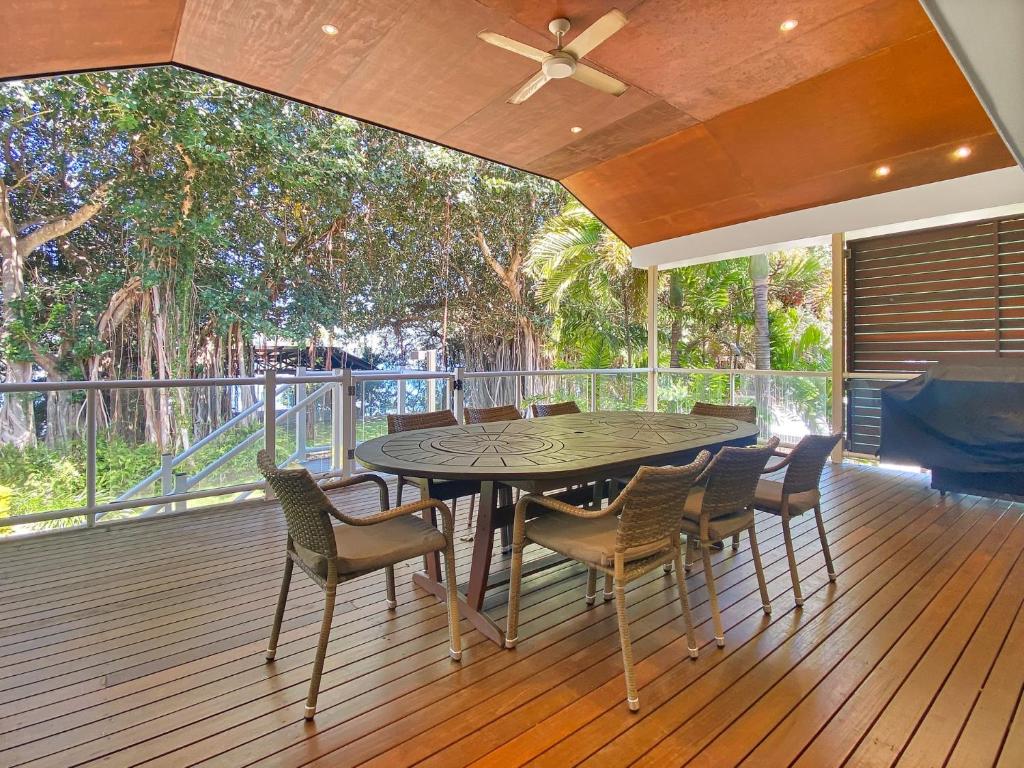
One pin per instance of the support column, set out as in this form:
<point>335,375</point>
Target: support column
<point>652,338</point>
<point>838,338</point>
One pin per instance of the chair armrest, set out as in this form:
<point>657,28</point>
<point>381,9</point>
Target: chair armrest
<point>406,509</point>
<point>366,477</point>
<point>780,465</point>
<point>554,504</point>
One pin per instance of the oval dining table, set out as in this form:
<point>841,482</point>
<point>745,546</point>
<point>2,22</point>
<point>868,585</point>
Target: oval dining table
<point>573,456</point>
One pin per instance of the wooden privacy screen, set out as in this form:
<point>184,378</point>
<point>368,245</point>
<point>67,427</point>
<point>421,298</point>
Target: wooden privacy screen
<point>919,297</point>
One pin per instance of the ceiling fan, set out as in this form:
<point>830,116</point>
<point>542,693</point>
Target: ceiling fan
<point>561,62</point>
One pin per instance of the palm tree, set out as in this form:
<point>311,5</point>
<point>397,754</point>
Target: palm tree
<point>587,281</point>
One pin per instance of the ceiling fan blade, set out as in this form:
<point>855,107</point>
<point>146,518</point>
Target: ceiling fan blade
<point>527,89</point>
<point>597,33</point>
<point>513,45</point>
<point>601,81</point>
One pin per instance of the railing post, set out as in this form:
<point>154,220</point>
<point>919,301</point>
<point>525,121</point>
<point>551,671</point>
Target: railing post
<point>337,421</point>
<point>593,392</point>
<point>166,477</point>
<point>90,456</point>
<point>652,338</point>
<point>180,486</point>
<point>401,395</point>
<point>300,418</point>
<point>270,422</point>
<point>732,387</point>
<point>348,455</point>
<point>458,387</point>
<point>431,388</point>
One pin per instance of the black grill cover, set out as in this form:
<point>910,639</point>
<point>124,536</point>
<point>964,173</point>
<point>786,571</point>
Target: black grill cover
<point>963,421</point>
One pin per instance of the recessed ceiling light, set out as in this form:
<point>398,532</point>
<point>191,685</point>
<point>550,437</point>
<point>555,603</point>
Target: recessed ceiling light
<point>788,25</point>
<point>883,170</point>
<point>962,153</point>
<point>329,29</point>
<point>576,129</point>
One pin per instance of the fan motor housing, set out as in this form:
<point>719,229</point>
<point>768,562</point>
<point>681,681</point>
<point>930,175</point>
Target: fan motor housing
<point>559,65</point>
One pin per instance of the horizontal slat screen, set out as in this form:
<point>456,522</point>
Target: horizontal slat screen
<point>917,298</point>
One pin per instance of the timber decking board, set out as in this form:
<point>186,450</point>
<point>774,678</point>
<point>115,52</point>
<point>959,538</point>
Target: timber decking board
<point>142,644</point>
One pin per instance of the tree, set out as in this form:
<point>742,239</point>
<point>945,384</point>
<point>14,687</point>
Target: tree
<point>759,274</point>
<point>587,282</point>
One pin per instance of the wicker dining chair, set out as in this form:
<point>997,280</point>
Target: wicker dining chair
<point>721,504</point>
<point>554,409</point>
<point>331,554</point>
<point>488,416</point>
<point>746,413</point>
<point>637,533</point>
<point>797,493</point>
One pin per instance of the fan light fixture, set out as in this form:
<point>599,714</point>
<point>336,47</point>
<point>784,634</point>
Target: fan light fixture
<point>564,61</point>
<point>882,171</point>
<point>962,153</point>
<point>576,129</point>
<point>329,29</point>
<point>788,25</point>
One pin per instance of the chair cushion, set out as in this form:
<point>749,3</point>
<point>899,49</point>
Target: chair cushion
<point>768,497</point>
<point>719,527</point>
<point>587,540</point>
<point>369,547</point>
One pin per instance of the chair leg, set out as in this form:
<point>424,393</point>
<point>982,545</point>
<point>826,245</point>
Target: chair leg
<point>515,579</point>
<point>735,542</point>
<point>389,578</point>
<point>755,553</point>
<point>684,601</point>
<point>688,555</point>
<point>399,484</point>
<point>591,585</point>
<point>793,573</point>
<point>504,536</point>
<point>321,652</point>
<point>282,599</point>
<point>709,579</point>
<point>452,590</point>
<point>667,567</point>
<point>627,646</point>
<point>824,543</point>
<point>608,594</point>
<point>468,536</point>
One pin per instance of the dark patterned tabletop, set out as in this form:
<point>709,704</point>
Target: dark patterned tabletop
<point>550,447</point>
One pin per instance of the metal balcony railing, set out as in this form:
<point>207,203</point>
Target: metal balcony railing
<point>317,419</point>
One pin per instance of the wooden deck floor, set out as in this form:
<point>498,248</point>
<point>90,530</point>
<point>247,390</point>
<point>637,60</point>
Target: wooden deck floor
<point>142,644</point>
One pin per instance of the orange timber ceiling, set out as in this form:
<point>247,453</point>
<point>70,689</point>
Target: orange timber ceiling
<point>727,118</point>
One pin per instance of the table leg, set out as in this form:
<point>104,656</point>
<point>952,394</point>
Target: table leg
<point>483,545</point>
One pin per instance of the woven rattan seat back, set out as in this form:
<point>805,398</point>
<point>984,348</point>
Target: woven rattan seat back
<point>732,478</point>
<point>407,422</point>
<point>747,413</point>
<point>487,415</point>
<point>306,507</point>
<point>554,409</point>
<point>807,460</point>
<point>651,503</point>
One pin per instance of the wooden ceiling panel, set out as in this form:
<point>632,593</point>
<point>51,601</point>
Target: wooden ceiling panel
<point>541,125</point>
<point>45,36</point>
<point>430,72</point>
<point>722,55</point>
<point>812,144</point>
<point>726,119</point>
<point>642,127</point>
<point>280,46</point>
<point>904,98</point>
